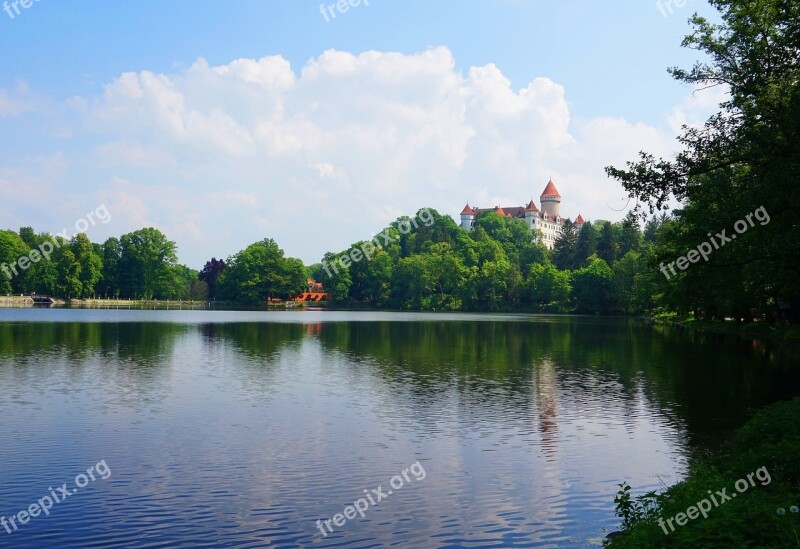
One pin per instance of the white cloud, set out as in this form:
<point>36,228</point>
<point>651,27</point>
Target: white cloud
<point>219,157</point>
<point>18,100</point>
<point>694,110</point>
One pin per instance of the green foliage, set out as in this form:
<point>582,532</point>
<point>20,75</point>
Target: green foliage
<point>550,288</point>
<point>607,244</point>
<point>260,272</point>
<point>146,264</point>
<point>593,288</point>
<point>585,246</point>
<point>766,448</point>
<point>108,286</point>
<point>634,510</point>
<point>745,157</point>
<point>11,248</point>
<point>498,266</point>
<point>565,247</point>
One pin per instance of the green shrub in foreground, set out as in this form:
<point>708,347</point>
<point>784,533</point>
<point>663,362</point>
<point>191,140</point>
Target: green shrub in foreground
<point>770,440</point>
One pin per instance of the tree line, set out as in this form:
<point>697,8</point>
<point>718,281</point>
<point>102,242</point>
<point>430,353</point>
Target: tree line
<point>139,265</point>
<point>601,268</point>
<point>746,157</point>
<point>499,266</point>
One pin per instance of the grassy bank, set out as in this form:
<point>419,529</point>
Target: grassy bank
<point>764,513</point>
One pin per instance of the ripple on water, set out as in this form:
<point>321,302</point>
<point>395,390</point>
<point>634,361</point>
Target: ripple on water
<point>245,436</point>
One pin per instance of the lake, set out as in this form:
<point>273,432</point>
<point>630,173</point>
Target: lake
<point>244,429</point>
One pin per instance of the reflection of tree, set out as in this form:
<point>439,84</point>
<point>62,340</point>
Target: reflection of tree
<point>28,339</point>
<point>254,339</point>
<point>132,358</point>
<point>617,360</point>
<point>143,343</point>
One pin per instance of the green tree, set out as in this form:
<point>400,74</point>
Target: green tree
<point>550,288</point>
<point>593,288</point>
<point>379,278</point>
<point>565,245</point>
<point>69,273</point>
<point>146,263</point>
<point>260,272</point>
<point>744,160</point>
<point>630,239</point>
<point>607,244</point>
<point>109,283</point>
<point>586,244</point>
<point>91,263</point>
<point>12,247</point>
<point>413,282</point>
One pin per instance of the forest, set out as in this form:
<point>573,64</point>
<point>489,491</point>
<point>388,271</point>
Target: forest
<point>743,161</point>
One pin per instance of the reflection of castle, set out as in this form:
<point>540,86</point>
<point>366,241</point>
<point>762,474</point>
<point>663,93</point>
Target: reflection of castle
<point>546,391</point>
<point>548,220</point>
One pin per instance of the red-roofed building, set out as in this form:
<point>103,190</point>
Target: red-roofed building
<point>547,221</point>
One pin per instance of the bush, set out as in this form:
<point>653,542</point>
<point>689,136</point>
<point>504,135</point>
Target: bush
<point>769,443</point>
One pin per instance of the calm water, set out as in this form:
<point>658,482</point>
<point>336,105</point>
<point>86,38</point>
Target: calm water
<point>242,429</point>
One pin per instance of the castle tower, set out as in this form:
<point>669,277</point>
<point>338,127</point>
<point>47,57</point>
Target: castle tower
<point>467,217</point>
<point>579,222</point>
<point>551,201</point>
<point>531,214</point>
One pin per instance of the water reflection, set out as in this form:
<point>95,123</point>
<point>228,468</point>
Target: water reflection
<point>244,433</point>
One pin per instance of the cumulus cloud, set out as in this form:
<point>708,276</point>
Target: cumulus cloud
<point>221,156</point>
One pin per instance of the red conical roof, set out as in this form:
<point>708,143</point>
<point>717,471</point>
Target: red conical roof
<point>467,210</point>
<point>580,220</point>
<point>531,207</point>
<point>550,189</point>
<point>499,210</point>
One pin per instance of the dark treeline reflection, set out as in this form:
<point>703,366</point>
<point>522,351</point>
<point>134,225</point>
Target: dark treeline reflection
<point>254,340</point>
<point>541,364</point>
<point>705,384</point>
<point>146,343</point>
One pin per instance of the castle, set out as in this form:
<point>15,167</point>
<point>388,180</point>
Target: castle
<point>548,220</point>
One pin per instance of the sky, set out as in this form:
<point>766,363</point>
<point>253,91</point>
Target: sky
<point>224,123</point>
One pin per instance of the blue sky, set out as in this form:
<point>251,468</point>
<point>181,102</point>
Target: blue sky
<point>77,132</point>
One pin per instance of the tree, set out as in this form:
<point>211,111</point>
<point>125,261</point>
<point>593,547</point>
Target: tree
<point>12,247</point>
<point>565,245</point>
<point>744,160</point>
<point>146,263</point>
<point>378,285</point>
<point>607,245</point>
<point>630,236</point>
<point>69,272</point>
<point>198,291</point>
<point>91,264</point>
<point>593,288</point>
<point>586,244</point>
<point>210,273</point>
<point>260,272</point>
<point>109,283</point>
<point>413,282</point>
<point>550,288</point>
